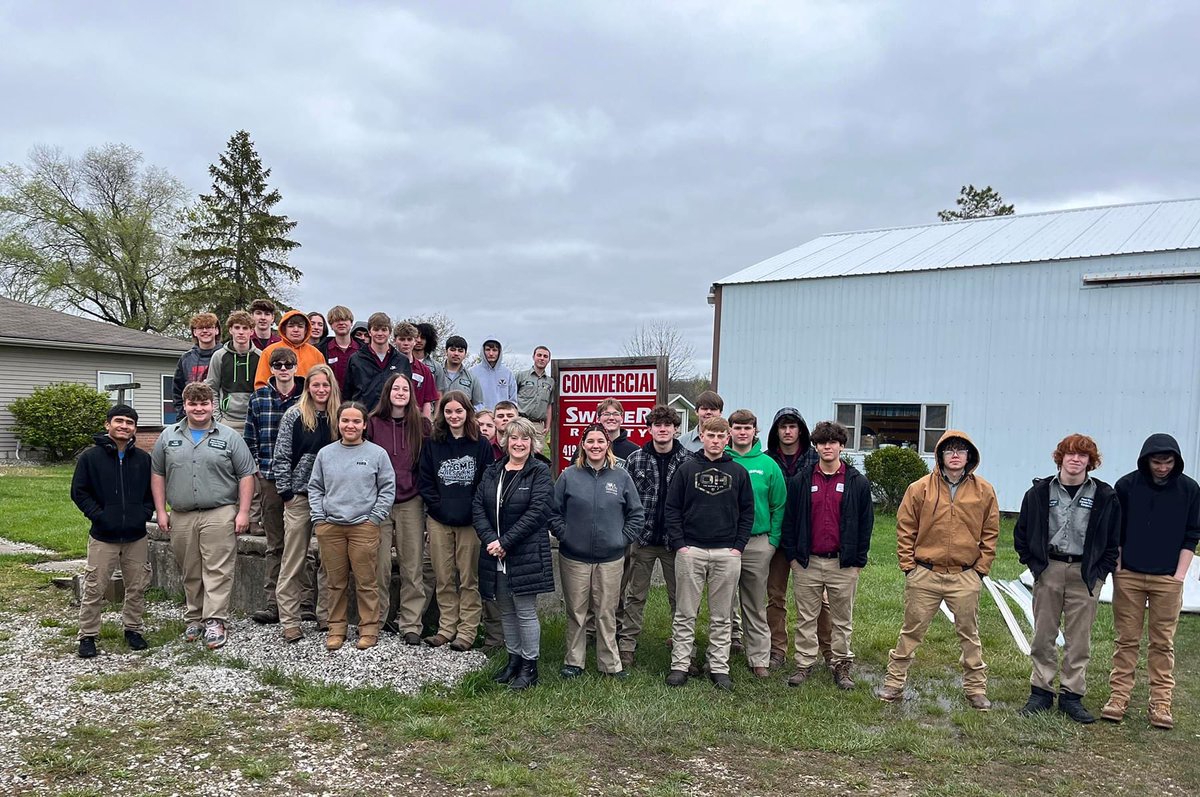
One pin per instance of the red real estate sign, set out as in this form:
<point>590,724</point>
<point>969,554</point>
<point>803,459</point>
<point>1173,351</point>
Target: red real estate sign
<point>639,383</point>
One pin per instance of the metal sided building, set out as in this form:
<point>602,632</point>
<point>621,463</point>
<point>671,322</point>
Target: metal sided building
<point>1018,330</point>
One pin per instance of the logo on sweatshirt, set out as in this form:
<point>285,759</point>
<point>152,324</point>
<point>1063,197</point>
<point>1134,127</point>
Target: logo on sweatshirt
<point>611,488</point>
<point>460,470</point>
<point>713,481</point>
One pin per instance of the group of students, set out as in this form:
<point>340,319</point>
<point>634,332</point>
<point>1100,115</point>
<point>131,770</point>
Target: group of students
<point>369,462</point>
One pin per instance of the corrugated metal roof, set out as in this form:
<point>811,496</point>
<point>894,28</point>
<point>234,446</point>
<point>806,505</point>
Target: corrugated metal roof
<point>1034,237</point>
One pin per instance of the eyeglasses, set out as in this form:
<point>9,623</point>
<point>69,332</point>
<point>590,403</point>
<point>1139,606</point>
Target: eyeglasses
<point>283,366</point>
<point>610,415</point>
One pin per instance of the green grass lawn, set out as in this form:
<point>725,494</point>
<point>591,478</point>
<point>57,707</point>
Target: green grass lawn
<point>639,736</point>
<point>35,507</point>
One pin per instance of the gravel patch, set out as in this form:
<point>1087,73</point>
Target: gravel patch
<point>10,547</point>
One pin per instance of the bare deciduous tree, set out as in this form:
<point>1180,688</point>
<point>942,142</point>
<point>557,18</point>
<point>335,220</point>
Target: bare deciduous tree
<point>662,338</point>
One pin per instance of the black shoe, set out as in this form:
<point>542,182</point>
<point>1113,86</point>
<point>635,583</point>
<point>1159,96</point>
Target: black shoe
<point>391,627</point>
<point>87,647</point>
<point>1071,704</point>
<point>527,676</point>
<point>722,681</point>
<point>412,639</point>
<point>619,675</point>
<point>570,671</point>
<point>677,678</point>
<point>308,615</point>
<point>267,616</point>
<point>510,670</point>
<point>1039,700</point>
<point>135,641</point>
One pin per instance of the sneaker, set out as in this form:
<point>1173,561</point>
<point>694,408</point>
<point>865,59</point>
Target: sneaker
<point>777,660</point>
<point>841,675</point>
<point>1071,704</point>
<point>135,640</point>
<point>722,681</point>
<point>979,702</point>
<point>193,632</point>
<point>627,657</point>
<point>570,671</point>
<point>800,676</point>
<point>267,616</point>
<point>214,634</point>
<point>1039,700</point>
<point>677,678</point>
<point>87,647</point>
<point>1160,715</point>
<point>890,694</point>
<point>1114,709</point>
<point>619,675</point>
<point>292,635</point>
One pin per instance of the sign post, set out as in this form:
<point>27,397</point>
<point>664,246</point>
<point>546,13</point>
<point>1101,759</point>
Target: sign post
<point>639,383</point>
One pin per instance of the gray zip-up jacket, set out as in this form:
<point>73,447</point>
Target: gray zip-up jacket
<point>351,484</point>
<point>595,515</point>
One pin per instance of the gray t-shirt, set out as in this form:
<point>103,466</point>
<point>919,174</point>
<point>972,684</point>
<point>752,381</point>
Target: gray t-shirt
<point>201,474</point>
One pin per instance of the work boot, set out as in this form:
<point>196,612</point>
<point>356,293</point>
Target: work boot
<point>841,675</point>
<point>890,694</point>
<point>760,672</point>
<point>722,681</point>
<point>367,641</point>
<point>1071,704</point>
<point>510,670</point>
<point>677,678</point>
<point>1039,700</point>
<point>1160,715</point>
<point>267,616</point>
<point>527,676</point>
<point>1114,709</point>
<point>800,676</point>
<point>570,671</point>
<point>736,646</point>
<point>87,647</point>
<point>777,660</point>
<point>979,702</point>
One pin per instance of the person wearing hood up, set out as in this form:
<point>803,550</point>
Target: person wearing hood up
<point>361,334</point>
<point>790,445</point>
<point>495,379</point>
<point>294,326</point>
<point>1160,526</point>
<point>946,532</point>
<point>111,487</point>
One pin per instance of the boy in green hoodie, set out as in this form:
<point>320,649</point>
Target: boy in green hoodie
<point>770,498</point>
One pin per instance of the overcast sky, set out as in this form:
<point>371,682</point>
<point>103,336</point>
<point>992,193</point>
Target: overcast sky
<point>562,172</point>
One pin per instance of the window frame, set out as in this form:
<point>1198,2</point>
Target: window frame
<point>855,431</point>
<point>166,384</point>
<point>113,399</point>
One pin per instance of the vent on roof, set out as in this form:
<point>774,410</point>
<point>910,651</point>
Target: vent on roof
<point>1135,277</point>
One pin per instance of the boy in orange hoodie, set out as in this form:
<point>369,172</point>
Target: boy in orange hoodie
<point>294,327</point>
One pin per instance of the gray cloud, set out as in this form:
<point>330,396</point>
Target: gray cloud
<point>561,173</point>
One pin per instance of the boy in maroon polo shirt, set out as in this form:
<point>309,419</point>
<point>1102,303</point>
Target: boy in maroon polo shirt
<point>826,536</point>
<point>405,338</point>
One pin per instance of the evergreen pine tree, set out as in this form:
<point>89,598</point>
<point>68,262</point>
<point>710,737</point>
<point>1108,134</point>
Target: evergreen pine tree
<point>237,247</point>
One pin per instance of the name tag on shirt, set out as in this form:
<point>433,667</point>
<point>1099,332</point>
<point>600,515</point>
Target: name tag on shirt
<point>841,488</point>
<point>1086,503</point>
<point>174,443</point>
<point>218,444</point>
<point>1053,502</point>
<point>814,488</point>
<point>332,360</point>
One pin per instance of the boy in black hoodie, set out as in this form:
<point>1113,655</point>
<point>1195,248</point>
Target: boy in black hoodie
<point>111,486</point>
<point>1160,526</point>
<point>710,514</point>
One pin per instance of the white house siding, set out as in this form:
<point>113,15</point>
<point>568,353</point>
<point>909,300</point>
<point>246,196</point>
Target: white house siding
<point>1024,354</point>
<point>23,369</point>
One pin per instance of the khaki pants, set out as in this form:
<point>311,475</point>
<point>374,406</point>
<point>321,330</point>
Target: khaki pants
<point>272,520</point>
<point>824,577</point>
<point>404,529</point>
<point>255,502</point>
<point>345,550</point>
<point>454,551</point>
<point>924,591</point>
<point>591,589</point>
<point>294,591</point>
<point>719,568</point>
<point>632,613</point>
<point>777,594</point>
<point>752,595</point>
<point>205,548</point>
<point>1134,596</point>
<point>1060,596</point>
<point>102,558</point>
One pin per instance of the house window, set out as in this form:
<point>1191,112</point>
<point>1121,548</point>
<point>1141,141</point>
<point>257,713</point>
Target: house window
<point>168,407</point>
<point>106,378</point>
<point>871,425</point>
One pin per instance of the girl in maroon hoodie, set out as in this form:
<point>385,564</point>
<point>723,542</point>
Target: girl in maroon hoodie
<point>397,426</point>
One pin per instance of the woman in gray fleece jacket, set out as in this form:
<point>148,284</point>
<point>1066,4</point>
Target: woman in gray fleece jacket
<point>349,494</point>
<point>596,515</point>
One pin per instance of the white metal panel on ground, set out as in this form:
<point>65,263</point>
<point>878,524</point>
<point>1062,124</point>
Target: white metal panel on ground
<point>1023,354</point>
<point>1191,587</point>
<point>1035,237</point>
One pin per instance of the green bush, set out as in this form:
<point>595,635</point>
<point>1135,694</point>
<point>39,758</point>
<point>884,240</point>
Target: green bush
<point>59,419</point>
<point>890,471</point>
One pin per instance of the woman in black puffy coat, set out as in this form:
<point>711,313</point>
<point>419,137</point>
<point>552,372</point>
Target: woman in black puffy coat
<point>511,509</point>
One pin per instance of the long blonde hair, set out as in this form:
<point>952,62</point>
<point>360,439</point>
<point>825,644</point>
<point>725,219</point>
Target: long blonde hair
<point>308,406</point>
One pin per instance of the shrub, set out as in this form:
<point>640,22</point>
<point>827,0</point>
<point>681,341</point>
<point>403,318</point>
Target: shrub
<point>59,419</point>
<point>890,471</point>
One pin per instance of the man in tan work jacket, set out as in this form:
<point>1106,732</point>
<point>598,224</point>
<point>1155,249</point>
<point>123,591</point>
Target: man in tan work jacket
<point>946,532</point>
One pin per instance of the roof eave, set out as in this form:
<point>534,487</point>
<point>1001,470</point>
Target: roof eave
<point>36,343</point>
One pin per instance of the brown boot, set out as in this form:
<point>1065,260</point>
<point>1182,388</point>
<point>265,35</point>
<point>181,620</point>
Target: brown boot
<point>979,702</point>
<point>1160,715</point>
<point>841,675</point>
<point>890,694</point>
<point>334,642</point>
<point>800,676</point>
<point>367,641</point>
<point>1114,709</point>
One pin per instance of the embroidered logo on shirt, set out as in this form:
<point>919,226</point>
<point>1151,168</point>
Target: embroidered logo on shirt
<point>713,481</point>
<point>1053,502</point>
<point>1085,502</point>
<point>611,488</point>
<point>221,444</point>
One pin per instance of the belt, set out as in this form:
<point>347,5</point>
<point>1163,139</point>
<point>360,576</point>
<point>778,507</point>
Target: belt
<point>833,555</point>
<point>1062,557</point>
<point>944,568</point>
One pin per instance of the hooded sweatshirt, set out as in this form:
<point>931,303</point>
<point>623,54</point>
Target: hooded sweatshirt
<point>1157,520</point>
<point>231,376</point>
<point>496,382</point>
<point>770,490</point>
<point>113,492</point>
<point>448,475</point>
<point>307,355</point>
<point>596,514</point>
<point>805,454</point>
<point>192,367</point>
<point>710,504</point>
<point>390,434</point>
<point>951,532</point>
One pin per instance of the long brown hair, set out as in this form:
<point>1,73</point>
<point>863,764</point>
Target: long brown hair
<point>441,429</point>
<point>414,424</point>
